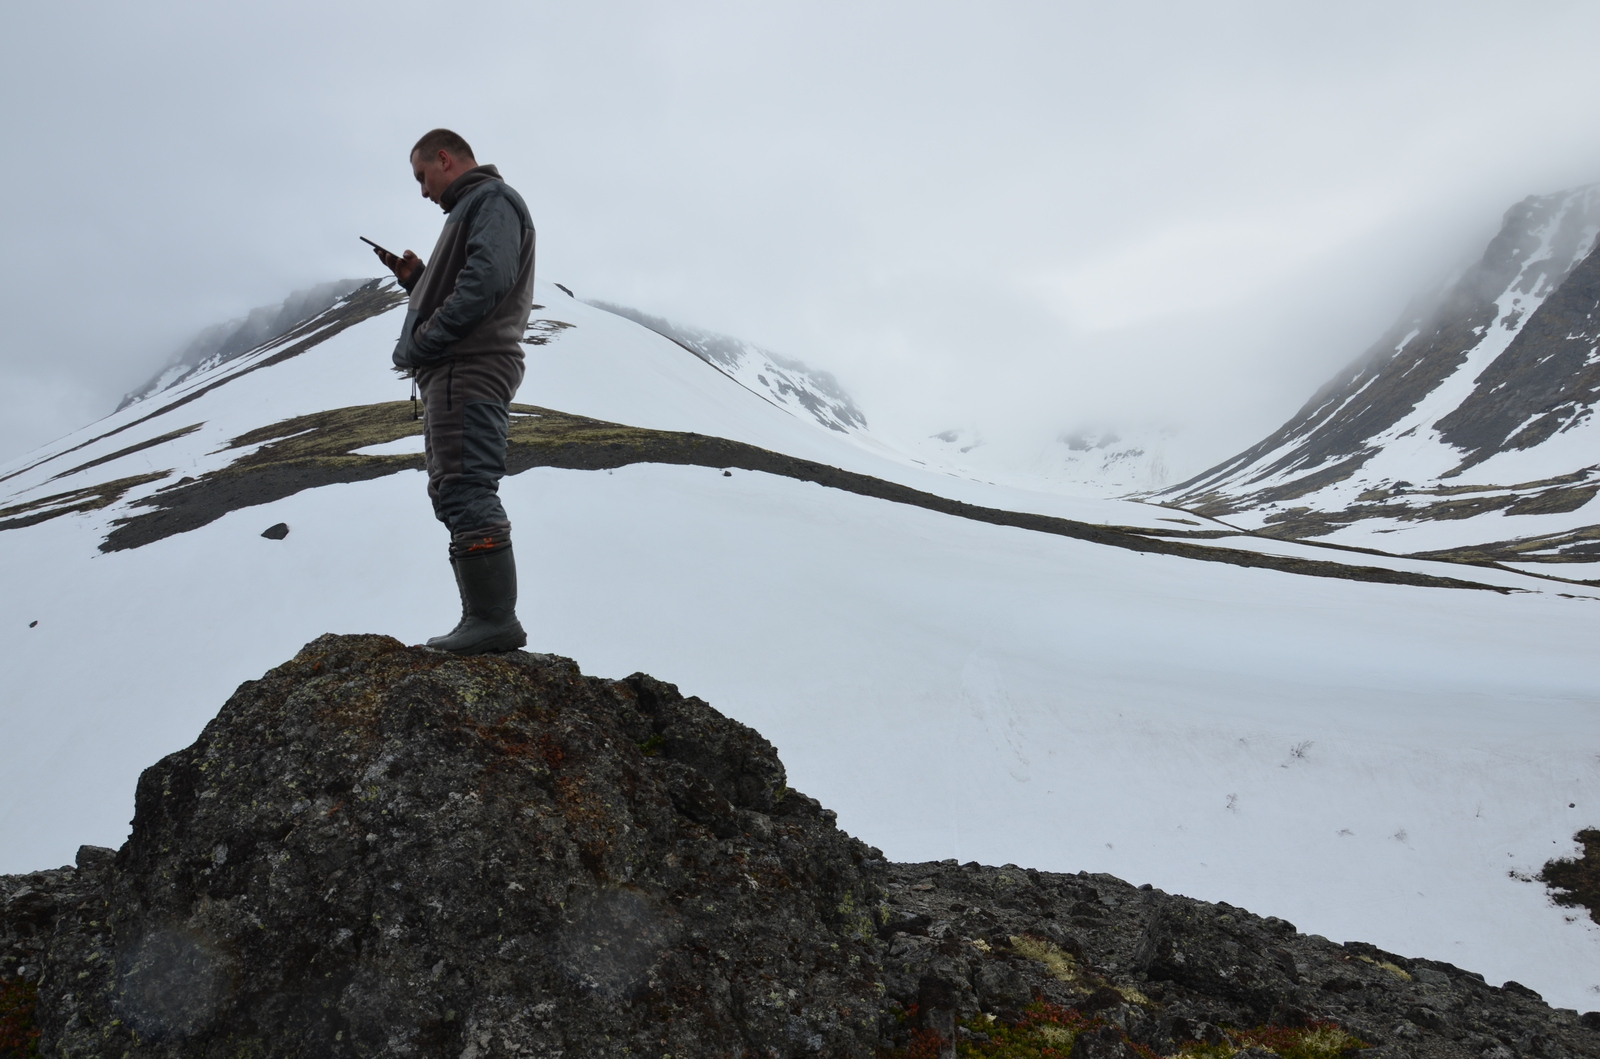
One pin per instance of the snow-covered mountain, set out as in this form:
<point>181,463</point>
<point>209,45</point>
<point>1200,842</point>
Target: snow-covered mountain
<point>1364,744</point>
<point>782,379</point>
<point>222,342</point>
<point>1467,431</point>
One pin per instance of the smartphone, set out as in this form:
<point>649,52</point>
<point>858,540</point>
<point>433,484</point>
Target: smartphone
<point>376,247</point>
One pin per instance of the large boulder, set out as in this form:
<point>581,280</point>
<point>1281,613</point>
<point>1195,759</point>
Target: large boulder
<point>381,850</point>
<point>378,850</point>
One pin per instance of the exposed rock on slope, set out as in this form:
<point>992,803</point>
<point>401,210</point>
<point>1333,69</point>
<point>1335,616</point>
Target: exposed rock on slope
<point>381,850</point>
<point>1505,365</point>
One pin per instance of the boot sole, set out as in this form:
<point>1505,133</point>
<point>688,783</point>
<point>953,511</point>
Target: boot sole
<point>497,644</point>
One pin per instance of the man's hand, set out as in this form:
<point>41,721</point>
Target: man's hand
<point>404,267</point>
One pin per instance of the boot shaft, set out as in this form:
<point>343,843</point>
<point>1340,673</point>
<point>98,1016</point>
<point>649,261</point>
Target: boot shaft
<point>488,584</point>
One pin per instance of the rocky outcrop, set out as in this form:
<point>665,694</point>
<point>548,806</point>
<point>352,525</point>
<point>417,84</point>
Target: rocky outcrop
<point>1012,947</point>
<point>381,850</point>
<point>376,850</point>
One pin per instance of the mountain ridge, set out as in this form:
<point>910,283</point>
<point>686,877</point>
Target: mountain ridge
<point>222,342</point>
<point>1461,418</point>
<point>817,392</point>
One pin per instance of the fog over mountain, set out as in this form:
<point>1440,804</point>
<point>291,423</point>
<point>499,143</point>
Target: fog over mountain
<point>1020,220</point>
<point>1466,430</point>
<point>222,342</point>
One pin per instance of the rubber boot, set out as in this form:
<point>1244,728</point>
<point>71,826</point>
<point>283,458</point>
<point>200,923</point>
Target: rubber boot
<point>489,622</point>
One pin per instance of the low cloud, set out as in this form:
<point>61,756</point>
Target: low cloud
<point>1017,219</point>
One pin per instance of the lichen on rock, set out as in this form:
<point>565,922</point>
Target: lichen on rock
<point>380,850</point>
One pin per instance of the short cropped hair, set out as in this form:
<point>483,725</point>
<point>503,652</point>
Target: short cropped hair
<point>436,140</point>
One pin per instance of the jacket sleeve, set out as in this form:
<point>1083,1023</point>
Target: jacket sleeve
<point>494,249</point>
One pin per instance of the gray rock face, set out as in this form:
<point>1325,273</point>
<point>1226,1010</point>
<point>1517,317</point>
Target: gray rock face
<point>380,850</point>
<point>1135,968</point>
<point>377,850</point>
<point>1546,380</point>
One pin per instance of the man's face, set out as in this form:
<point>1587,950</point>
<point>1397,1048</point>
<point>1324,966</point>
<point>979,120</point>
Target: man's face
<point>436,173</point>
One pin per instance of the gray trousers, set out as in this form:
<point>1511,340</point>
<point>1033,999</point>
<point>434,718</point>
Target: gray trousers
<point>466,415</point>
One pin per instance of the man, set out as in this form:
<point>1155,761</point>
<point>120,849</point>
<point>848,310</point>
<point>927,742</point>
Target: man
<point>461,341</point>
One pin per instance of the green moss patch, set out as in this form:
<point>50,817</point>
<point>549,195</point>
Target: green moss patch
<point>1049,1031</point>
<point>283,459</point>
<point>88,499</point>
<point>1317,1040</point>
<point>1405,503</point>
<point>1045,1031</point>
<point>319,449</point>
<point>1581,545</point>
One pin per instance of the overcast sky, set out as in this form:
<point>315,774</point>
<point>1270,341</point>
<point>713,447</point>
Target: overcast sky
<point>1022,217</point>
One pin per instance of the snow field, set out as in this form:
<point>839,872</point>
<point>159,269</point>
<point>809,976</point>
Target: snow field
<point>1368,761</point>
<point>961,690</point>
<point>952,689</point>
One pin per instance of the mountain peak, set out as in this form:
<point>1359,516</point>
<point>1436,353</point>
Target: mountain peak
<point>1489,391</point>
<point>223,342</point>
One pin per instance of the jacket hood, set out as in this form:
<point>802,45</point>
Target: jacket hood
<point>464,183</point>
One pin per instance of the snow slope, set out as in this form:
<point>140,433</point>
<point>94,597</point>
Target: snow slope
<point>1084,462</point>
<point>1367,760</point>
<point>221,342</point>
<point>1468,430</point>
<point>784,381</point>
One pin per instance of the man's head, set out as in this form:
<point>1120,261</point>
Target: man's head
<point>437,159</point>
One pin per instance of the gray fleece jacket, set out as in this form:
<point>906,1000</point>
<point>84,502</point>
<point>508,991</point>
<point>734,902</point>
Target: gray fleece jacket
<point>474,293</point>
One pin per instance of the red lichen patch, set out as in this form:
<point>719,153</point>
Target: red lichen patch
<point>551,751</point>
<point>505,738</point>
<point>19,1037</point>
<point>925,1044</point>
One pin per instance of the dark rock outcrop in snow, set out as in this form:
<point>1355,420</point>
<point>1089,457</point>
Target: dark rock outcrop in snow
<point>1575,881</point>
<point>380,850</point>
<point>376,850</point>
